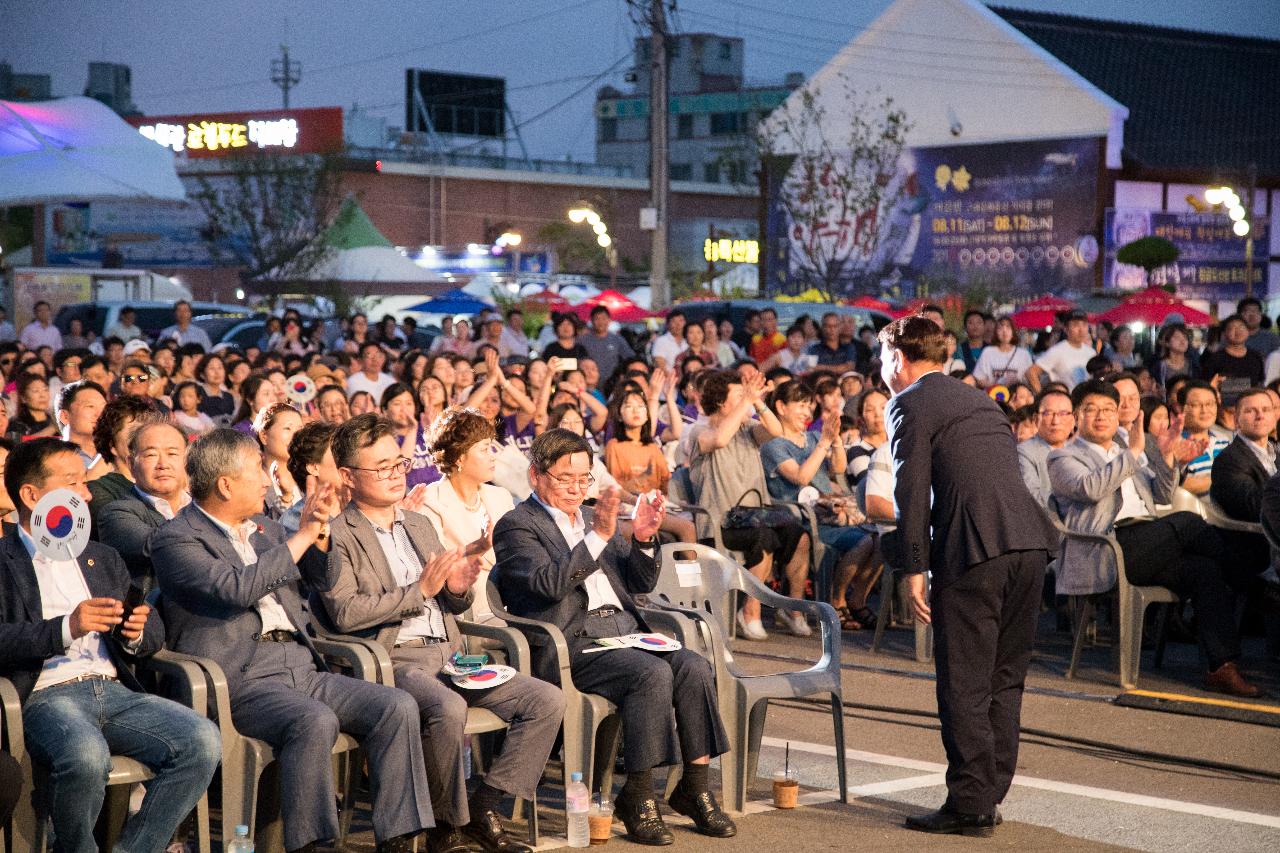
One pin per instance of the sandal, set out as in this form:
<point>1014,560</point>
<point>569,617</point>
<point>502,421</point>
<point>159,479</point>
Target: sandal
<point>865,617</point>
<point>847,620</point>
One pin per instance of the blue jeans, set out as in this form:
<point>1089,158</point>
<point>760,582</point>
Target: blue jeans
<point>73,730</point>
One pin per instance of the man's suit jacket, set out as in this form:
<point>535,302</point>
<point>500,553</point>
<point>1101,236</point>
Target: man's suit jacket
<point>27,639</point>
<point>365,599</point>
<point>1086,491</point>
<point>1238,480</point>
<point>208,593</point>
<point>540,577</point>
<point>126,524</point>
<point>953,438</point>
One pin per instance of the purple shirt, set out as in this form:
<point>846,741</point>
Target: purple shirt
<point>422,471</point>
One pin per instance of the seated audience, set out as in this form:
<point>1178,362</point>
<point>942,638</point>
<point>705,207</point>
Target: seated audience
<point>1054,425</point>
<point>66,642</point>
<point>228,576</point>
<point>1198,405</point>
<point>374,539</point>
<point>560,564</point>
<point>1103,487</point>
<point>111,436</point>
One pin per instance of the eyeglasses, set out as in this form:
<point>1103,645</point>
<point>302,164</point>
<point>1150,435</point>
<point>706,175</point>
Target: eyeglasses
<point>569,482</point>
<point>1048,416</point>
<point>395,469</point>
<point>131,378</point>
<point>1093,411</point>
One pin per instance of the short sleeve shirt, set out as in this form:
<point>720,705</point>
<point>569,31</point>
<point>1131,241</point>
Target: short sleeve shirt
<point>779,450</point>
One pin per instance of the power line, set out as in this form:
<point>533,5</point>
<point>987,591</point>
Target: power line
<point>488,30</point>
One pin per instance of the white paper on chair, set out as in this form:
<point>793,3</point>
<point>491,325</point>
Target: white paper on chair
<point>689,574</point>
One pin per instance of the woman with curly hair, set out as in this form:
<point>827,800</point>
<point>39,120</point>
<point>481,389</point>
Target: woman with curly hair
<point>463,506</point>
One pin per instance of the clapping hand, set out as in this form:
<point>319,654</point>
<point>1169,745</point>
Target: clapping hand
<point>1137,437</point>
<point>830,429</point>
<point>753,388</point>
<point>1173,446</point>
<point>481,546</point>
<point>650,513</point>
<point>415,500</point>
<point>439,569</point>
<point>321,504</point>
<point>605,520</point>
<point>491,365</point>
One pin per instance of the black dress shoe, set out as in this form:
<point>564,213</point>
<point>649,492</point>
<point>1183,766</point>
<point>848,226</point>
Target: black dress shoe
<point>446,839</point>
<point>705,811</point>
<point>399,844</point>
<point>945,821</point>
<point>643,821</point>
<point>486,830</point>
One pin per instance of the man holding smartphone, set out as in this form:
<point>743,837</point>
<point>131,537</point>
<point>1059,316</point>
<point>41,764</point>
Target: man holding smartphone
<point>65,642</point>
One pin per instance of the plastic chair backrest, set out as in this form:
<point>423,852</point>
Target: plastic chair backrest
<point>699,578</point>
<point>1184,501</point>
<point>681,487</point>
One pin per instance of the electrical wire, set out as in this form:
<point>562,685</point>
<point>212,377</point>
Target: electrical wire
<point>487,30</point>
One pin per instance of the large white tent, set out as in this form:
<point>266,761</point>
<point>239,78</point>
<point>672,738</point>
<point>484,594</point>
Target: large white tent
<point>77,149</point>
<point>962,75</point>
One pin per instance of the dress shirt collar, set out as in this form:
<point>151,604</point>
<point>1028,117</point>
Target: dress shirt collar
<point>559,516</point>
<point>161,505</point>
<point>399,519</point>
<point>27,542</point>
<point>242,534</point>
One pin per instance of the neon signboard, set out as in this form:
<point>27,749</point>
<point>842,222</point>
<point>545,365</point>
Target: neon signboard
<point>315,130</point>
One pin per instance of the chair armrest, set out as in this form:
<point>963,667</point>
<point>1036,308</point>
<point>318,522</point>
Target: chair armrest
<point>217,691</point>
<point>354,653</point>
<point>514,642</point>
<point>673,619</point>
<point>187,676</point>
<point>1096,538</point>
<point>555,639</point>
<point>381,657</point>
<point>11,720</point>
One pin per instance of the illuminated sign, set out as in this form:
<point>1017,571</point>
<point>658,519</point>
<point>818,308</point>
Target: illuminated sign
<point>302,131</point>
<point>731,251</point>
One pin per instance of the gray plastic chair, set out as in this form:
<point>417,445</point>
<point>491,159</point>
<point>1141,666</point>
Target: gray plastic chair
<point>1131,607</point>
<point>700,588</point>
<point>246,759</point>
<point>889,578</point>
<point>28,830</point>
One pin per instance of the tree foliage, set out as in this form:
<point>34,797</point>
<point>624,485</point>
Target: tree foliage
<point>1150,253</point>
<point>264,215</point>
<point>841,185</point>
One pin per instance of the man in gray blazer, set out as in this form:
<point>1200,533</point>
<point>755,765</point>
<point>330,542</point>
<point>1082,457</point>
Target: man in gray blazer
<point>1101,486</point>
<point>1054,423</point>
<point>557,564</point>
<point>394,581</point>
<point>157,455</point>
<point>228,578</point>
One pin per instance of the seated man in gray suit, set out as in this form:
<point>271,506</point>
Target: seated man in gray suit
<point>1054,423</point>
<point>228,579</point>
<point>557,564</point>
<point>67,644</point>
<point>1101,486</point>
<point>396,582</point>
<point>157,456</point>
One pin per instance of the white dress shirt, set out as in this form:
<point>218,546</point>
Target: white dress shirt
<point>1131,505</point>
<point>357,382</point>
<point>270,610</point>
<point>36,335</point>
<point>406,568</point>
<point>162,506</point>
<point>600,592</point>
<point>62,588</point>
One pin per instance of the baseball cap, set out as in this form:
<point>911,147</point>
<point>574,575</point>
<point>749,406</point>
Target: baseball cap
<point>135,345</point>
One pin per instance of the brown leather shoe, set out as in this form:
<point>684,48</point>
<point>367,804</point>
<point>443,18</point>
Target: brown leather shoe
<point>1227,679</point>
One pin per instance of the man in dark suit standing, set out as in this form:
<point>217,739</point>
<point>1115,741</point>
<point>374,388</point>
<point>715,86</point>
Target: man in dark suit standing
<point>67,644</point>
<point>559,565</point>
<point>965,515</point>
<point>228,578</point>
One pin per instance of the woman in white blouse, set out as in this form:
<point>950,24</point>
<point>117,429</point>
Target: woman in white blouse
<point>463,506</point>
<point>1003,362</point>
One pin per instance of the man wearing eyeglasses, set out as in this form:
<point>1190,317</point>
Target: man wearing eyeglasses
<point>229,580</point>
<point>397,583</point>
<point>557,564</point>
<point>1054,422</point>
<point>1102,486</point>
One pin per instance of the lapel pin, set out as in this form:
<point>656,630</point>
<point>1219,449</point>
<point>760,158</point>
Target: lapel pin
<point>90,563</point>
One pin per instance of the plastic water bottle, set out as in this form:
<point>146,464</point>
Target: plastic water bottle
<point>578,799</point>
<point>242,843</point>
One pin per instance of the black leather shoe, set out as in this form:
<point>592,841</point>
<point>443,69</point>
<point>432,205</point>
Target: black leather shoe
<point>643,821</point>
<point>705,811</point>
<point>399,844</point>
<point>446,839</point>
<point>486,830</point>
<point>947,822</point>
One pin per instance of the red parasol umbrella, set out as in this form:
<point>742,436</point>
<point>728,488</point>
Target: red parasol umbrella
<point>546,300</point>
<point>1152,307</point>
<point>1041,313</point>
<point>869,302</point>
<point>620,307</point>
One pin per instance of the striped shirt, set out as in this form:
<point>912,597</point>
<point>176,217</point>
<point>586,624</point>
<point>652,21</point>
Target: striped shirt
<point>1202,465</point>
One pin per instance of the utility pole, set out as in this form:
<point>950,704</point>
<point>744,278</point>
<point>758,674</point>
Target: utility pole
<point>659,178</point>
<point>285,73</point>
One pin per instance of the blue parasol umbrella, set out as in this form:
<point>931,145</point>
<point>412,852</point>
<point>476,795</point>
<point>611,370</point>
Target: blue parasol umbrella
<point>456,301</point>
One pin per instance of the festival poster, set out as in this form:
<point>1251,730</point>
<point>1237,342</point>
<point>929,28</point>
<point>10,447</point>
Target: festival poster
<point>1018,213</point>
<point>1211,258</point>
<point>57,289</point>
<point>146,233</point>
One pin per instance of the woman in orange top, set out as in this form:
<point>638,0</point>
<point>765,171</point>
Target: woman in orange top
<point>635,459</point>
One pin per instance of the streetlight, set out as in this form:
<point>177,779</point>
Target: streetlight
<point>585,213</point>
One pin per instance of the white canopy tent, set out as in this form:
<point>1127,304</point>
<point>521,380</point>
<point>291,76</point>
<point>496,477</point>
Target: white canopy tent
<point>962,75</point>
<point>370,263</point>
<point>77,149</point>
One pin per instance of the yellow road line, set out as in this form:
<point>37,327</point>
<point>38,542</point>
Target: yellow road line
<point>1225,703</point>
